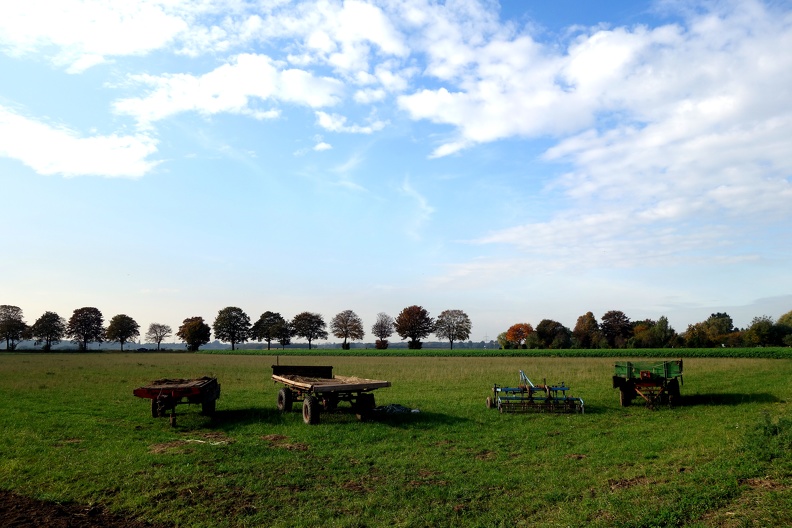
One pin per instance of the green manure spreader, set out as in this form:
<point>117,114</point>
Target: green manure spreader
<point>657,382</point>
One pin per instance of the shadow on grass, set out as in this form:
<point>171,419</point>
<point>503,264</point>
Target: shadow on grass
<point>421,419</point>
<point>728,398</point>
<point>247,416</point>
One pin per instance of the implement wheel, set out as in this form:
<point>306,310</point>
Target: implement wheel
<point>625,396</point>
<point>154,409</point>
<point>285,400</point>
<point>310,410</point>
<point>365,404</point>
<point>208,407</point>
<point>673,392</point>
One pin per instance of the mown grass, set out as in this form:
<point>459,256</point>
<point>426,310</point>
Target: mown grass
<point>72,431</point>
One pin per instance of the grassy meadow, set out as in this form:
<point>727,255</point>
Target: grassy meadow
<point>73,432</point>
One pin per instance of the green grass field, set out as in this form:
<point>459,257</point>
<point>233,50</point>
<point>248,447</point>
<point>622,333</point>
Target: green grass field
<point>73,432</point>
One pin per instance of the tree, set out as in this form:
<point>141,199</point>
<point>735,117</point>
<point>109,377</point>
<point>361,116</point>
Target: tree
<point>283,332</point>
<point>785,324</point>
<point>552,334</point>
<point>453,325</point>
<point>414,322</point>
<point>382,329</point>
<point>763,332</point>
<point>587,331</point>
<point>616,328</point>
<point>12,325</point>
<point>157,333</point>
<point>785,320</point>
<point>696,336</point>
<point>85,326</point>
<point>348,325</point>
<point>232,325</point>
<point>49,329</point>
<point>718,326</point>
<point>503,342</point>
<point>309,326</point>
<point>264,328</point>
<point>194,332</point>
<point>518,333</point>
<point>122,329</point>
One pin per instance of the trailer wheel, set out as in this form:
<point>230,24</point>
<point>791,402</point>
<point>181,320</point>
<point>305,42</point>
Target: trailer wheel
<point>285,400</point>
<point>673,392</point>
<point>208,407</point>
<point>625,396</point>
<point>365,404</point>
<point>310,410</point>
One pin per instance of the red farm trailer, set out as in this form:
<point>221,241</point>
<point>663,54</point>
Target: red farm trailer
<point>166,394</point>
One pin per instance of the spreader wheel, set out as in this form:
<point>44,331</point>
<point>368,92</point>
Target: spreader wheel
<point>208,407</point>
<point>285,400</point>
<point>673,392</point>
<point>364,405</point>
<point>310,410</point>
<point>625,397</point>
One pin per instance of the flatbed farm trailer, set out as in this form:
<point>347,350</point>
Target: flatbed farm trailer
<point>166,394</point>
<point>319,390</point>
<point>657,382</point>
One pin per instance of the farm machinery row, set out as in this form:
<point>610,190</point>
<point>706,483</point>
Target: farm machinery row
<point>320,391</point>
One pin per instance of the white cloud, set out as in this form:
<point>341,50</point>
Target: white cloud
<point>337,123</point>
<point>229,88</point>
<point>85,32</point>
<point>51,149</point>
<point>322,146</point>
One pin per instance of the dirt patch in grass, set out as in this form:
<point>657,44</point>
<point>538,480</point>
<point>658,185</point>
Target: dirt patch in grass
<point>616,484</point>
<point>17,510</point>
<point>281,441</point>
<point>184,446</point>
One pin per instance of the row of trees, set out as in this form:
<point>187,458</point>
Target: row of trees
<point>232,325</point>
<point>615,330</point>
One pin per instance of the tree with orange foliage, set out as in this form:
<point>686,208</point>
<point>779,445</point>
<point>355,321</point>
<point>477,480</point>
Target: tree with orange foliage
<point>518,333</point>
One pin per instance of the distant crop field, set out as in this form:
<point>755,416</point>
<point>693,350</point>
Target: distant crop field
<point>73,432</point>
<point>748,352</point>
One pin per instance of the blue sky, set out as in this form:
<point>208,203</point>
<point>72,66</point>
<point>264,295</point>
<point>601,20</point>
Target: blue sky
<point>519,161</point>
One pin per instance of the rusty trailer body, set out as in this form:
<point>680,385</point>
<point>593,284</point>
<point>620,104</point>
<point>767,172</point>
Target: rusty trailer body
<point>320,391</point>
<point>656,382</point>
<point>165,394</point>
<point>527,397</point>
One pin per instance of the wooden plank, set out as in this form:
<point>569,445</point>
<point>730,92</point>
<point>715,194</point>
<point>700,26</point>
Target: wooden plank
<point>336,384</point>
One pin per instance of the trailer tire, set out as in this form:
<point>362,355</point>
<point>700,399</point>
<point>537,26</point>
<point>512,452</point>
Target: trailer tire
<point>310,410</point>
<point>208,407</point>
<point>673,392</point>
<point>365,404</point>
<point>625,396</point>
<point>285,400</point>
<point>154,408</point>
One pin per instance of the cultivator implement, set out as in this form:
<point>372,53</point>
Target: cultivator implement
<point>527,397</point>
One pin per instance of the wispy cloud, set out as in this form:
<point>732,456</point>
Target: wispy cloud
<point>423,210</point>
<point>56,149</point>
